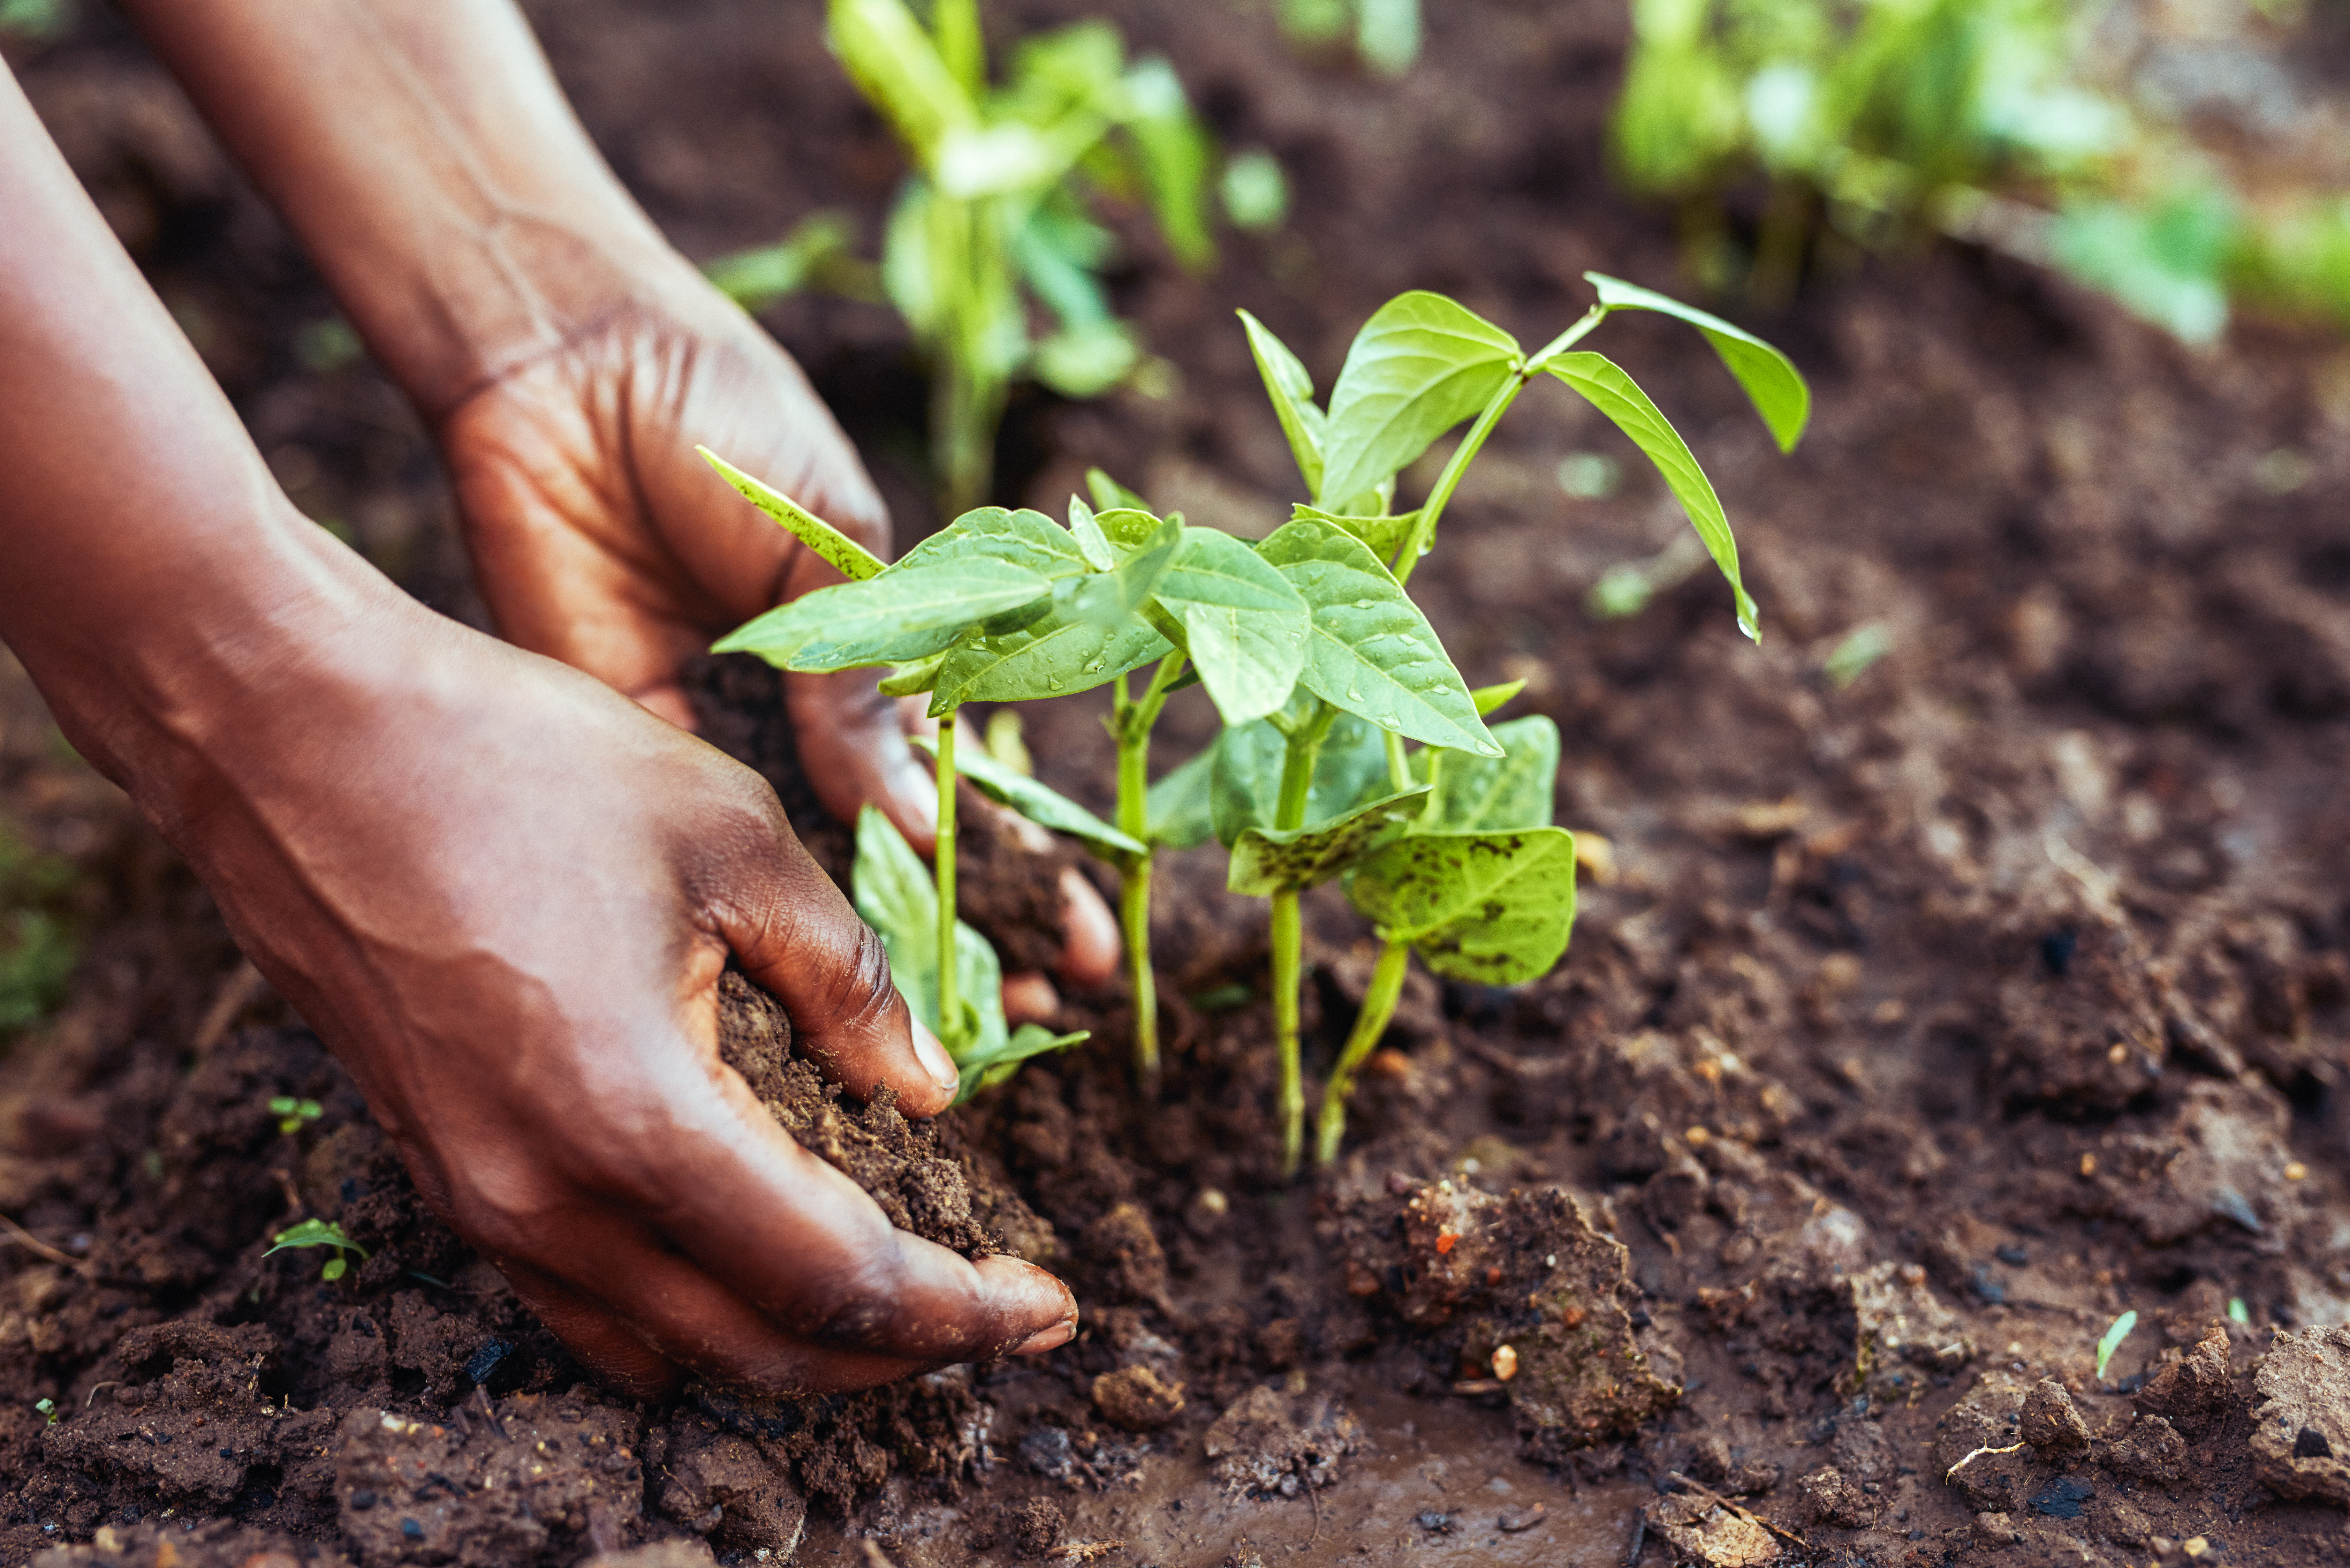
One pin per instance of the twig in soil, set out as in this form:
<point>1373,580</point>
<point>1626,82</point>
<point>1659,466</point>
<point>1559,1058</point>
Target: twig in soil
<point>875,1557</point>
<point>110,1383</point>
<point>236,992</point>
<point>1518,1524</point>
<point>1086,1551</point>
<point>24,1238</point>
<point>1640,1539</point>
<point>1315,1499</point>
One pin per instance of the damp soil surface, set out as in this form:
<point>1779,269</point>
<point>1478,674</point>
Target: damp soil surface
<point>1914,1028</point>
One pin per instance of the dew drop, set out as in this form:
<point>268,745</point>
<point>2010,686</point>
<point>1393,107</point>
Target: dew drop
<point>1055,681</point>
<point>1362,604</point>
<point>1095,668</point>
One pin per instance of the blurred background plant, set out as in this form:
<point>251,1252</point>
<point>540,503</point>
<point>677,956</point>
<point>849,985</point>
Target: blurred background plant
<point>995,252</point>
<point>2077,134</point>
<point>1386,33</point>
<point>36,943</point>
<point>41,21</point>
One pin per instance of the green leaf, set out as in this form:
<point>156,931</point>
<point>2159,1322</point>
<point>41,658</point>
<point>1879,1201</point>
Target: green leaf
<point>1773,384</point>
<point>1177,806</point>
<point>1491,908</point>
<point>1087,529</point>
<point>1491,699</point>
<point>898,898</point>
<point>1488,795</point>
<point>1385,535</point>
<point>912,679</point>
<point>849,558</point>
<point>1244,626</point>
<point>1266,860</point>
<point>1128,528</point>
<point>314,1234</point>
<point>1617,396</point>
<point>906,614</point>
<point>1244,781</point>
<point>1040,804</point>
<point>1113,599</point>
<point>1022,538</point>
<point>1109,495</point>
<point>1292,391</point>
<point>1052,658</point>
<point>895,63</point>
<point>2111,1341</point>
<point>1420,366</point>
<point>1371,651</point>
<point>984,1070</point>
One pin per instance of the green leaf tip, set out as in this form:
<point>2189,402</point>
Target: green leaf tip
<point>1777,389</point>
<point>1039,802</point>
<point>848,557</point>
<point>2111,1341</point>
<point>1605,385</point>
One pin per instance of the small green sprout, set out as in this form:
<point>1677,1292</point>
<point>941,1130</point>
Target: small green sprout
<point>2113,1341</point>
<point>1862,646</point>
<point>2239,1313</point>
<point>318,1233</point>
<point>292,1112</point>
<point>997,227</point>
<point>1387,32</point>
<point>47,1408</point>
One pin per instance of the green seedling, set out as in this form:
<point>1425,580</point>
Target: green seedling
<point>1387,33</point>
<point>2238,1312</point>
<point>292,1112</point>
<point>319,1233</point>
<point>1450,852</point>
<point>2111,1341</point>
<point>47,1408</point>
<point>999,222</point>
<point>1308,642</point>
<point>1861,649</point>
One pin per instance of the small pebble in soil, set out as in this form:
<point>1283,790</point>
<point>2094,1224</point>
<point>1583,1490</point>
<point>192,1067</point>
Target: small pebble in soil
<point>2062,1498</point>
<point>1434,1522</point>
<point>2011,1254</point>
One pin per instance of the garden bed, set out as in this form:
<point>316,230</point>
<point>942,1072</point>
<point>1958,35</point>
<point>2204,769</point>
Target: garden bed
<point>1925,1025</point>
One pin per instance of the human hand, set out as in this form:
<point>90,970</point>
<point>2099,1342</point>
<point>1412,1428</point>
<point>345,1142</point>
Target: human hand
<point>504,895</point>
<point>600,538</point>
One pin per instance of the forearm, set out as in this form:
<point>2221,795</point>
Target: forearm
<point>150,569</point>
<point>432,166</point>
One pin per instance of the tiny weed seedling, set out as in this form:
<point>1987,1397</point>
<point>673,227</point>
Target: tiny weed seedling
<point>46,1408</point>
<point>1308,642</point>
<point>292,1112</point>
<point>2111,1341</point>
<point>319,1233</point>
<point>998,224</point>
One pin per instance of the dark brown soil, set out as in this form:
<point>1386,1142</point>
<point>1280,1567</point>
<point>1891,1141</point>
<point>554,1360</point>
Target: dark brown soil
<point>1926,1026</point>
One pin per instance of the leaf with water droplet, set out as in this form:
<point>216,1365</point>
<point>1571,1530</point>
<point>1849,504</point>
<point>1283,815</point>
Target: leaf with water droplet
<point>1238,618</point>
<point>1382,662</point>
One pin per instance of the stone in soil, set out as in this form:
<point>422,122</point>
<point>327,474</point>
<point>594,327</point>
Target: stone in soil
<point>2301,1432</point>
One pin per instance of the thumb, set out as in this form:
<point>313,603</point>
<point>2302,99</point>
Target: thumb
<point>797,937</point>
<point>853,748</point>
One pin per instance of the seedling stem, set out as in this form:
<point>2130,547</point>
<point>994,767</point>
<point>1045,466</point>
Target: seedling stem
<point>1130,726</point>
<point>1298,757</point>
<point>951,1030</point>
<point>1370,1023</point>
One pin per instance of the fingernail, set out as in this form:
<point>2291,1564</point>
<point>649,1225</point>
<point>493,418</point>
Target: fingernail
<point>935,1060</point>
<point>1052,1338</point>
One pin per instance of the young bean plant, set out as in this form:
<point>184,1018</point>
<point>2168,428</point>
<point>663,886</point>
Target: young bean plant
<point>1323,669</point>
<point>997,224</point>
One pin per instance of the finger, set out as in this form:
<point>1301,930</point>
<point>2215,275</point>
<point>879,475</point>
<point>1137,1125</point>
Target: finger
<point>797,937</point>
<point>1090,939</point>
<point>595,1336</point>
<point>701,1325</point>
<point>855,752</point>
<point>1029,998</point>
<point>807,1248</point>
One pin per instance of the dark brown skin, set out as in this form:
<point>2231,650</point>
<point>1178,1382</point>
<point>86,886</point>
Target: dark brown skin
<point>500,890</point>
